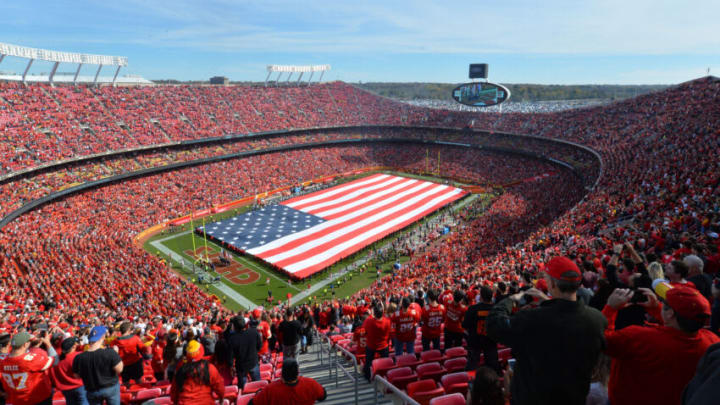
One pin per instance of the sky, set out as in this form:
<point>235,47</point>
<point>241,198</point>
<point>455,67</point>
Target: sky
<point>547,42</point>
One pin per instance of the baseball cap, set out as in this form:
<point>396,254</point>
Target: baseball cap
<point>97,333</point>
<point>194,350</point>
<point>20,339</point>
<point>562,268</point>
<point>688,303</point>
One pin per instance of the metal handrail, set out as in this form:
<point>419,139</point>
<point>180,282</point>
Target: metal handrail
<point>381,382</point>
<point>334,359</point>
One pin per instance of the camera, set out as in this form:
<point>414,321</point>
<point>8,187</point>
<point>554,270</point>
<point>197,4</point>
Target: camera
<point>638,297</point>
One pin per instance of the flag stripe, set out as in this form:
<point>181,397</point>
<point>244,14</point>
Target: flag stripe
<point>295,202</point>
<point>279,243</point>
<point>370,219</point>
<point>338,211</point>
<point>318,262</point>
<point>375,222</point>
<point>350,196</point>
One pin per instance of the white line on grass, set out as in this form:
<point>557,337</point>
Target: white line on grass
<point>229,292</point>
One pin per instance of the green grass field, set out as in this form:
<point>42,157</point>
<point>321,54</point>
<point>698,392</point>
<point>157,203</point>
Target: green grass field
<point>179,244</point>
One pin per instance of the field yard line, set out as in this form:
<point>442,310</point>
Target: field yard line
<point>232,294</point>
<point>173,236</point>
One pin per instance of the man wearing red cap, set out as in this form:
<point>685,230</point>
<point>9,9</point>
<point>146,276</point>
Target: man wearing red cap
<point>652,364</point>
<point>556,345</point>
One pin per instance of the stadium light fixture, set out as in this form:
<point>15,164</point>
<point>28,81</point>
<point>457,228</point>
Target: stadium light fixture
<point>61,57</point>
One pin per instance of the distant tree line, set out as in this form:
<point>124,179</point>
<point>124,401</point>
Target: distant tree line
<point>520,92</point>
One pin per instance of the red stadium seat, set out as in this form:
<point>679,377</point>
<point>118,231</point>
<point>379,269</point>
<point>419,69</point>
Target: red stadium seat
<point>504,354</point>
<point>254,386</point>
<point>266,367</point>
<point>231,392</point>
<point>408,360</point>
<point>382,365</point>
<point>424,390</point>
<point>455,382</point>
<point>431,356</point>
<point>456,364</point>
<point>450,399</point>
<point>430,370</point>
<point>400,377</point>
<point>162,401</point>
<point>453,352</point>
<point>147,394</point>
<point>244,399</point>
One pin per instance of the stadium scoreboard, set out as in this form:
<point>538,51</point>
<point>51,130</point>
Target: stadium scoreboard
<point>480,94</point>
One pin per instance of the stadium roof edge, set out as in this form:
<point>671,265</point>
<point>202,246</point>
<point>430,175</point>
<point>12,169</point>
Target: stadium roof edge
<point>61,57</point>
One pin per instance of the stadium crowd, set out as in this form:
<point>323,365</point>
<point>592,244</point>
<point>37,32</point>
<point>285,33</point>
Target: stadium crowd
<point>71,265</point>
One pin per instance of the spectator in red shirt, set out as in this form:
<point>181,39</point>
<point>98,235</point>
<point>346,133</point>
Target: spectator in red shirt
<point>653,364</point>
<point>377,332</point>
<point>405,320</point>
<point>433,314</point>
<point>64,379</point>
<point>292,389</point>
<point>23,371</point>
<point>454,315</point>
<point>130,349</point>
<point>196,380</point>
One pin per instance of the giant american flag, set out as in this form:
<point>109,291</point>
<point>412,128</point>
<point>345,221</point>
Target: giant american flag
<point>306,234</point>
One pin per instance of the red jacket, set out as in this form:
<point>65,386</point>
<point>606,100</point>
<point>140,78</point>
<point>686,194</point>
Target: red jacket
<point>377,332</point>
<point>652,364</point>
<point>62,375</point>
<point>130,348</point>
<point>194,392</point>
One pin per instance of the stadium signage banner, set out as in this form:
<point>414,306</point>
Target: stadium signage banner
<point>480,94</point>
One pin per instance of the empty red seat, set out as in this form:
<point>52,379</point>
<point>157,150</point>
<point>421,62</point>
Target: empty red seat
<point>455,382</point>
<point>407,360</point>
<point>244,399</point>
<point>504,354</point>
<point>266,367</point>
<point>382,365</point>
<point>430,356</point>
<point>144,395</point>
<point>266,375</point>
<point>456,364</point>
<point>453,352</point>
<point>400,377</point>
<point>231,392</point>
<point>58,401</point>
<point>162,401</point>
<point>450,399</point>
<point>424,390</point>
<point>430,371</point>
<point>254,386</point>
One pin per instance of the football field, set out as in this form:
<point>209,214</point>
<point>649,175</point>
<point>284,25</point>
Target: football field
<point>241,280</point>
